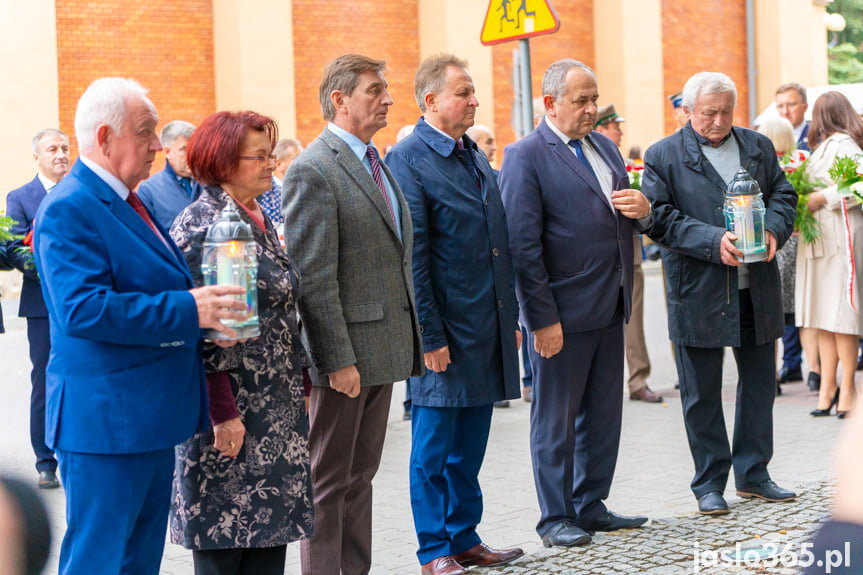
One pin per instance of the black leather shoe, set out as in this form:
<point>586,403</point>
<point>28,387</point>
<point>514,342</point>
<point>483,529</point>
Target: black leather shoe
<point>48,480</point>
<point>565,534</point>
<point>503,403</point>
<point>611,521</point>
<point>814,381</point>
<point>786,375</point>
<point>712,503</point>
<point>766,490</point>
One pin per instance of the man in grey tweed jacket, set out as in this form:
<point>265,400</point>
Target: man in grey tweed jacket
<point>348,229</point>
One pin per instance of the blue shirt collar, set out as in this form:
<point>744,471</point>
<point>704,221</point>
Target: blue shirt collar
<point>356,145</point>
<point>437,140</point>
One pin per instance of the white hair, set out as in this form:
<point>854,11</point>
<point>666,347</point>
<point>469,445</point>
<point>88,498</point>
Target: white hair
<point>173,130</point>
<point>473,131</point>
<point>707,83</point>
<point>404,132</point>
<point>104,102</point>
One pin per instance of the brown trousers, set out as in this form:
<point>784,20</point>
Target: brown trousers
<point>637,360</point>
<point>346,438</point>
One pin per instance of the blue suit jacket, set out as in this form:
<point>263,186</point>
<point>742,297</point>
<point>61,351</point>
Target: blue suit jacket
<point>568,247</point>
<point>126,373</point>
<point>21,205</point>
<point>462,271</point>
<point>165,197</point>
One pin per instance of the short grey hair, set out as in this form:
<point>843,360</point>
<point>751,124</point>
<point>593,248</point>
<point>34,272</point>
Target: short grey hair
<point>104,102</point>
<point>284,145</point>
<point>781,133</point>
<point>707,83</point>
<point>554,79</point>
<point>173,130</point>
<point>343,74</point>
<point>793,86</point>
<point>404,132</point>
<point>47,132</point>
<point>431,76</point>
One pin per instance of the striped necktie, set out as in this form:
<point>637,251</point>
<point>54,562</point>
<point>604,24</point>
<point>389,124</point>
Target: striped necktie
<point>372,155</point>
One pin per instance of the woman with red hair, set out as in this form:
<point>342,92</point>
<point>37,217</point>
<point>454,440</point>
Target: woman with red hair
<point>242,489</point>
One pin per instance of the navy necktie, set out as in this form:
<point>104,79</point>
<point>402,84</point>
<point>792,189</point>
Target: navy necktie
<point>580,154</point>
<point>467,161</point>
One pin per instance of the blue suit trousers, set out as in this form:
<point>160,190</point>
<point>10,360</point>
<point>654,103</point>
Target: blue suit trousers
<point>447,449</point>
<point>116,511</point>
<point>39,339</point>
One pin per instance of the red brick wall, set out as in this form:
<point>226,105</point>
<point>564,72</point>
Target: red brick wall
<point>704,36</point>
<point>167,46</point>
<point>574,39</point>
<point>384,29</point>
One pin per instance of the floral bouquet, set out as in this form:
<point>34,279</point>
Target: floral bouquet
<point>635,173</point>
<point>794,165</point>
<point>6,236</point>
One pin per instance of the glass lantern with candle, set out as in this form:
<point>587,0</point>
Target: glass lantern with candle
<point>744,217</point>
<point>230,258</point>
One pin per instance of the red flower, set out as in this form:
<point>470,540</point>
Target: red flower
<point>28,240</point>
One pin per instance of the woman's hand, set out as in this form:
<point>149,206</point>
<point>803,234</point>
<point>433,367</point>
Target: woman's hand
<point>816,201</point>
<point>229,436</point>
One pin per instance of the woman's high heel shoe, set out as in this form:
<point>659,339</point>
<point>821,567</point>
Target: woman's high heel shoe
<point>841,414</point>
<point>826,412</point>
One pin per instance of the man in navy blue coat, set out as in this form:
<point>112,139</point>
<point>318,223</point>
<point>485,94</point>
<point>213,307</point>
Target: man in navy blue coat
<point>168,192</point>
<point>51,153</point>
<point>468,315</point>
<point>570,215</point>
<point>125,381</point>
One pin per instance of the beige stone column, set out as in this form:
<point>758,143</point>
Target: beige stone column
<point>29,100</point>
<point>790,46</point>
<point>454,26</point>
<point>254,59</point>
<point>628,45</point>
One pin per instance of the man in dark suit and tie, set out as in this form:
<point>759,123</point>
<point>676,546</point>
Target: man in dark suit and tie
<point>570,216</point>
<point>125,381</point>
<point>168,192</point>
<point>348,228</point>
<point>466,298</point>
<point>51,153</point>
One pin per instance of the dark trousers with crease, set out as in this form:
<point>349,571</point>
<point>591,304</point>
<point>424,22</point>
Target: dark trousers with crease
<point>346,439</point>
<point>39,339</point>
<point>700,373</point>
<point>575,419</point>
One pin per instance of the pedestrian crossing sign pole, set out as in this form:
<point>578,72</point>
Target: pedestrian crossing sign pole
<point>508,20</point>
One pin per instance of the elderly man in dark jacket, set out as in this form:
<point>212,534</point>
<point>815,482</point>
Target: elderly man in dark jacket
<point>714,300</point>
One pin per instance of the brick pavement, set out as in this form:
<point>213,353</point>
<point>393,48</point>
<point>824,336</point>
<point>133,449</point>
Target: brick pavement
<point>652,478</point>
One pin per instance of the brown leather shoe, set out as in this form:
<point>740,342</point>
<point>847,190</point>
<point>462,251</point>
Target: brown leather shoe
<point>445,565</point>
<point>645,394</point>
<point>482,554</point>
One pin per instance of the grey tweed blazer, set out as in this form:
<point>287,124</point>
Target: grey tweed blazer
<point>357,303</point>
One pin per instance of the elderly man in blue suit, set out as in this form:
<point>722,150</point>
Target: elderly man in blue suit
<point>168,192</point>
<point>466,304</point>
<point>51,153</point>
<point>125,381</point>
<point>571,218</point>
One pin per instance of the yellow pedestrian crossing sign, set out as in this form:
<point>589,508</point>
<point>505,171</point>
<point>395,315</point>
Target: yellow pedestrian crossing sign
<point>508,20</point>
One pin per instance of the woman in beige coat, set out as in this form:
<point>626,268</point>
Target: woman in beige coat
<point>822,300</point>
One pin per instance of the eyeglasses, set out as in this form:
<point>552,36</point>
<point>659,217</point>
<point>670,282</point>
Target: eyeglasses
<point>263,161</point>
